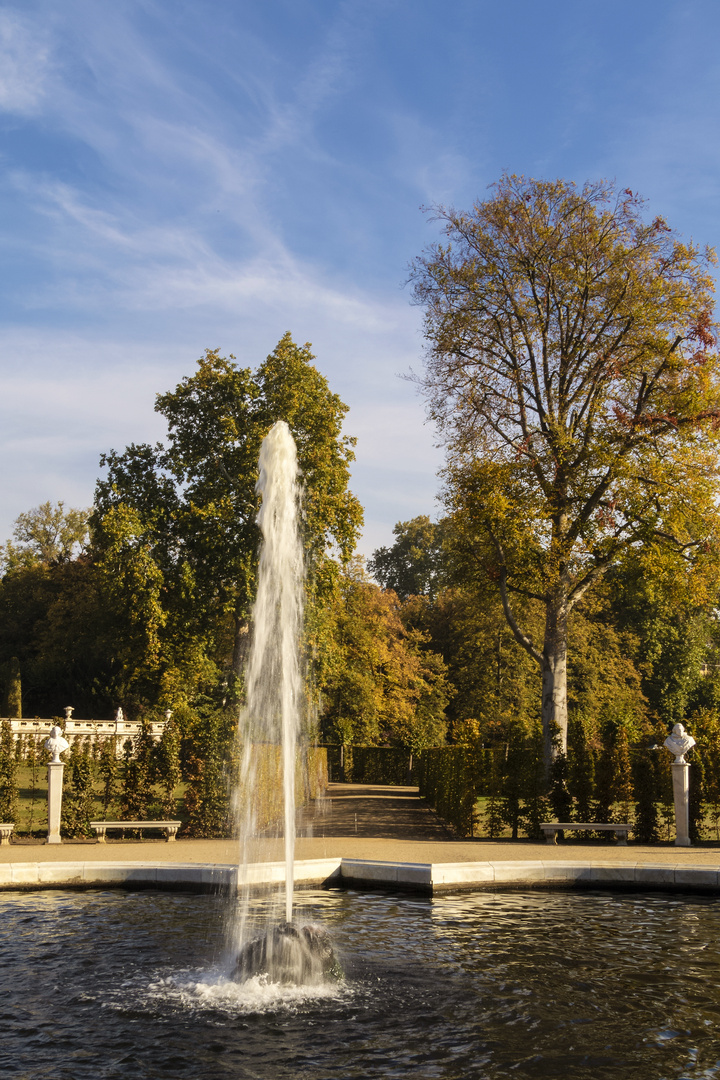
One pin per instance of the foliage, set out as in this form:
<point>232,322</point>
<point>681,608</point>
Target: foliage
<point>670,611</point>
<point>210,753</point>
<point>137,796</point>
<point>46,535</point>
<point>58,621</point>
<point>8,774</point>
<point>614,780</point>
<point>372,765</point>
<point>108,770</point>
<point>78,801</point>
<point>385,686</point>
<point>34,757</point>
<point>174,526</point>
<point>571,371</point>
<point>449,781</point>
<point>583,750</point>
<point>414,565</point>
<point>487,671</point>
<point>13,689</point>
<point>167,766</point>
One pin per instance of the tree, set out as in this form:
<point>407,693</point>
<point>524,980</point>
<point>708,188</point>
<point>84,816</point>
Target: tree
<point>8,774</point>
<point>413,566</point>
<point>178,520</point>
<point>47,535</point>
<point>672,612</point>
<point>385,687</point>
<point>61,624</point>
<point>13,689</point>
<point>571,371</point>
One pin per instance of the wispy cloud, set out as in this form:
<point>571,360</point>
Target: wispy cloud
<point>178,175</point>
<point>24,64</point>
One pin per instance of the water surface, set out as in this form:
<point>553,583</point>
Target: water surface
<point>592,985</point>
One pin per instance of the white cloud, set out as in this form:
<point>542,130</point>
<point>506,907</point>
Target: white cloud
<point>24,62</point>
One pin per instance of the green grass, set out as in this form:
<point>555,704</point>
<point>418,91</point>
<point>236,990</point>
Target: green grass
<point>31,815</point>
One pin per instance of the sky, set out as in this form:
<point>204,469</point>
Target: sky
<point>177,175</point>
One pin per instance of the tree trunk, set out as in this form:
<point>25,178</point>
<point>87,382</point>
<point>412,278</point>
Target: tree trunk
<point>554,676</point>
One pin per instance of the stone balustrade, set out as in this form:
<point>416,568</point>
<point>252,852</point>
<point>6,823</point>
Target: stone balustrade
<point>82,729</point>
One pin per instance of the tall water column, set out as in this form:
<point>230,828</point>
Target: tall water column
<point>270,721</point>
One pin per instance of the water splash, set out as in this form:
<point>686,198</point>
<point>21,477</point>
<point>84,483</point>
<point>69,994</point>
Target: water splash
<point>270,721</point>
<point>212,991</point>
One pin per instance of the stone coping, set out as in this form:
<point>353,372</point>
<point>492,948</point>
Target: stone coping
<point>422,878</point>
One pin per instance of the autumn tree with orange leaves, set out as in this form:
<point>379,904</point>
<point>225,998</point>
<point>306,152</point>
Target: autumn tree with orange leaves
<point>572,371</point>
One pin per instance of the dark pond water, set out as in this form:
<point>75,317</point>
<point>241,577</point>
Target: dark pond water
<point>592,985</point>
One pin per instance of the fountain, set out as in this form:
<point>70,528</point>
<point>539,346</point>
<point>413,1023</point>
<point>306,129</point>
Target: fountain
<point>480,984</point>
<point>271,720</point>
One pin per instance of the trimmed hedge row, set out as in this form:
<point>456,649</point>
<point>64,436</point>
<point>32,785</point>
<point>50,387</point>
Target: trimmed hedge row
<point>371,765</point>
<point>148,783</point>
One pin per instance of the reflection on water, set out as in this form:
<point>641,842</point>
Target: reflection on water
<point>110,985</point>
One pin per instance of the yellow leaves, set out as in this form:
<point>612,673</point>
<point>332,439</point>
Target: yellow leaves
<point>384,686</point>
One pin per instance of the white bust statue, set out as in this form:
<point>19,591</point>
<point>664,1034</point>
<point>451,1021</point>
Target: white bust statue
<point>678,743</point>
<point>56,744</point>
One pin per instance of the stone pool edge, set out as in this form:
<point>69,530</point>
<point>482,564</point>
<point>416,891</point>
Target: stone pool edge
<point>421,878</point>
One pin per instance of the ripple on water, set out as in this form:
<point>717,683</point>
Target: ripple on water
<point>479,987</point>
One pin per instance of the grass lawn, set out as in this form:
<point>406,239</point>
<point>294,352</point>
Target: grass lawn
<point>31,817</point>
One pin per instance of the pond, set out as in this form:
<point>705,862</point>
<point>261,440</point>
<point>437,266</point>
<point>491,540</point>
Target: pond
<point>113,984</point>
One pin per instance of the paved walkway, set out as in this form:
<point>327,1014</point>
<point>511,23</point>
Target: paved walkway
<point>355,821</point>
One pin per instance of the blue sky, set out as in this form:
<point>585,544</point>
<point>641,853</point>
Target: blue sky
<point>178,174</point>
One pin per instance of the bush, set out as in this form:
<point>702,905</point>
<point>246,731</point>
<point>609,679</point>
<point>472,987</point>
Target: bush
<point>8,774</point>
<point>77,802</point>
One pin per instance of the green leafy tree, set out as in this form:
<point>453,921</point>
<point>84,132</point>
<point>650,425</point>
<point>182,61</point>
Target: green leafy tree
<point>669,610</point>
<point>582,764</point>
<point>179,519</point>
<point>211,758</point>
<point>614,776</point>
<point>47,535</point>
<point>108,770</point>
<point>57,622</point>
<point>137,796</point>
<point>8,774</point>
<point>415,564</point>
<point>571,370</point>
<point>169,773</point>
<point>78,800</point>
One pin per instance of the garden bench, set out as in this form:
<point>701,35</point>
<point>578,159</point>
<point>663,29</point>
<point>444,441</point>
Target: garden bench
<point>552,828</point>
<point>6,828</point>
<point>170,828</point>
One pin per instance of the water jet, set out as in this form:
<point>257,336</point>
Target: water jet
<point>270,722</point>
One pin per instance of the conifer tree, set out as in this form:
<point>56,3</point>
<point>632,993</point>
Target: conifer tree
<point>8,774</point>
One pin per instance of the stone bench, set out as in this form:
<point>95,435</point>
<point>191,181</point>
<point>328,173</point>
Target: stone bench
<point>170,828</point>
<point>6,828</point>
<point>552,828</point>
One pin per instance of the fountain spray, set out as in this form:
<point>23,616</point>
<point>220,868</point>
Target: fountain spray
<point>273,685</point>
<point>271,720</point>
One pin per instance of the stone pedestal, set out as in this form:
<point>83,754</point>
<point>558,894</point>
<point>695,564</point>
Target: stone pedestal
<point>55,793</point>
<point>681,794</point>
